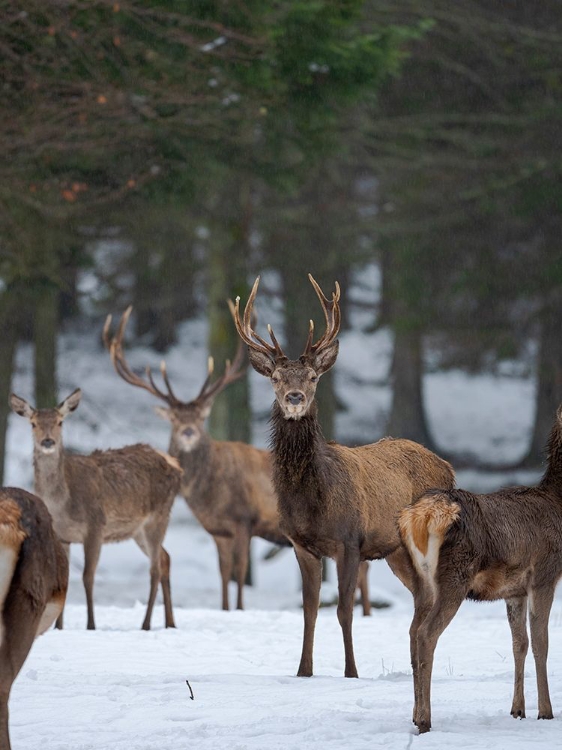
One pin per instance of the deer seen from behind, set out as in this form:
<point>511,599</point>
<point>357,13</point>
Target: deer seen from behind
<point>334,501</point>
<point>227,485</point>
<point>107,496</point>
<point>502,545</point>
<point>33,584</point>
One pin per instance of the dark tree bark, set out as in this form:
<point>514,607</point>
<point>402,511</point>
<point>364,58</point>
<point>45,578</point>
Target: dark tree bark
<point>407,414</point>
<point>549,381</point>
<point>45,330</point>
<point>10,316</point>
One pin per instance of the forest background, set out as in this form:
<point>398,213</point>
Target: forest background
<point>173,151</point>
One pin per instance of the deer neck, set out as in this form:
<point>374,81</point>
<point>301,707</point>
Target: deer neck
<point>552,479</point>
<point>194,463</point>
<point>298,448</point>
<point>49,479</point>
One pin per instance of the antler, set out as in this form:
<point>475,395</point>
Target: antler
<point>115,349</point>
<point>332,316</point>
<point>247,333</point>
<point>232,372</point>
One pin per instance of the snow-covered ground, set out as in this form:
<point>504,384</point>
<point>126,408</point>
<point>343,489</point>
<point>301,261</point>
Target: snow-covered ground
<point>119,687</point>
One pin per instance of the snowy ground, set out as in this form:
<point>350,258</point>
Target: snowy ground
<point>119,687</point>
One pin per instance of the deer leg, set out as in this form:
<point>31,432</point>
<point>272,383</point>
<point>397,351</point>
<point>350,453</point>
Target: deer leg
<point>517,618</point>
<point>225,548</point>
<point>21,621</point>
<point>429,631</point>
<point>541,602</point>
<point>423,601</point>
<point>400,564</point>
<point>348,567</point>
<point>149,539</point>
<point>242,557</point>
<point>92,549</point>
<point>59,620</point>
<point>166,588</point>
<point>311,572</point>
<point>363,585</point>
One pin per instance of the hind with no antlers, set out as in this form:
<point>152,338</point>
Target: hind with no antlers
<point>503,545</point>
<point>334,501</point>
<point>227,485</point>
<point>107,496</point>
<point>33,583</point>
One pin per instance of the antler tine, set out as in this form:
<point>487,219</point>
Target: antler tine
<point>115,347</point>
<point>232,372</point>
<point>247,333</point>
<point>332,316</point>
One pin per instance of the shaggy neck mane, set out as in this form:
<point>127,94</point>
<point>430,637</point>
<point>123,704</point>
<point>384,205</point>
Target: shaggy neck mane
<point>553,475</point>
<point>296,444</point>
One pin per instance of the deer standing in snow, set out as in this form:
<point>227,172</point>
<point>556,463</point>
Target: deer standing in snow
<point>334,501</point>
<point>33,583</point>
<point>502,545</point>
<point>107,496</point>
<point>226,484</point>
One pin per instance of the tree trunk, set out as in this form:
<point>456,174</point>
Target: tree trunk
<point>407,415</point>
<point>10,305</point>
<point>45,340</point>
<point>549,383</point>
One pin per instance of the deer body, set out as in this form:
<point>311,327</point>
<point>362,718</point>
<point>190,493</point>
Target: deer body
<point>502,545</point>
<point>334,501</point>
<point>33,584</point>
<point>107,496</point>
<point>227,485</point>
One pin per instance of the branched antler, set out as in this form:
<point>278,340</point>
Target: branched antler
<point>247,333</point>
<point>332,316</point>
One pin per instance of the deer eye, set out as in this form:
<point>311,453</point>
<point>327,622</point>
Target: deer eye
<point>313,378</point>
<point>33,426</point>
<point>274,379</point>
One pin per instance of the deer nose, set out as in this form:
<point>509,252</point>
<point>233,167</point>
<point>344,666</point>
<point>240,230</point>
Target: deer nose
<point>295,397</point>
<point>47,443</point>
<point>189,431</point>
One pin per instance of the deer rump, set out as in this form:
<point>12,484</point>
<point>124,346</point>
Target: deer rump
<point>129,482</point>
<point>503,553</point>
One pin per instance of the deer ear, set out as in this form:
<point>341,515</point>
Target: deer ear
<point>20,406</point>
<point>326,358</point>
<point>163,413</point>
<point>261,362</point>
<point>70,403</point>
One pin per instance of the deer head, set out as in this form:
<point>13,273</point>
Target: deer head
<point>186,417</point>
<point>46,423</point>
<point>294,381</point>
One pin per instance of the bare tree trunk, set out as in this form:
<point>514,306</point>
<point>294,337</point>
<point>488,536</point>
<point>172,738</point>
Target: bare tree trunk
<point>549,382</point>
<point>407,415</point>
<point>10,306</point>
<point>45,340</point>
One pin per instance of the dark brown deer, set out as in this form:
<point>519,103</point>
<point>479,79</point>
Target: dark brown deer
<point>334,501</point>
<point>227,485</point>
<point>503,545</point>
<point>33,583</point>
<point>107,496</point>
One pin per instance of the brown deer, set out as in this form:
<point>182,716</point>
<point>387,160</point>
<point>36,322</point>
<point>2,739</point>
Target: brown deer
<point>503,545</point>
<point>33,583</point>
<point>227,485</point>
<point>107,496</point>
<point>334,501</point>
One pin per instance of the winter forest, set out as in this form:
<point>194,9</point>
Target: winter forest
<point>163,155</point>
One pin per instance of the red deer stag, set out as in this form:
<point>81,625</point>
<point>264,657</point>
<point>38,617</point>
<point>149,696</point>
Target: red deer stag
<point>334,501</point>
<point>227,485</point>
<point>107,496</point>
<point>33,582</point>
<point>503,545</point>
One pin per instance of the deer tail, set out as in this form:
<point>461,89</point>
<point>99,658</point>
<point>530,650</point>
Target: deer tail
<point>12,536</point>
<point>422,529</point>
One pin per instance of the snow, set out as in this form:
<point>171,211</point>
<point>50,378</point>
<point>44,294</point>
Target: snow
<point>119,687</point>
